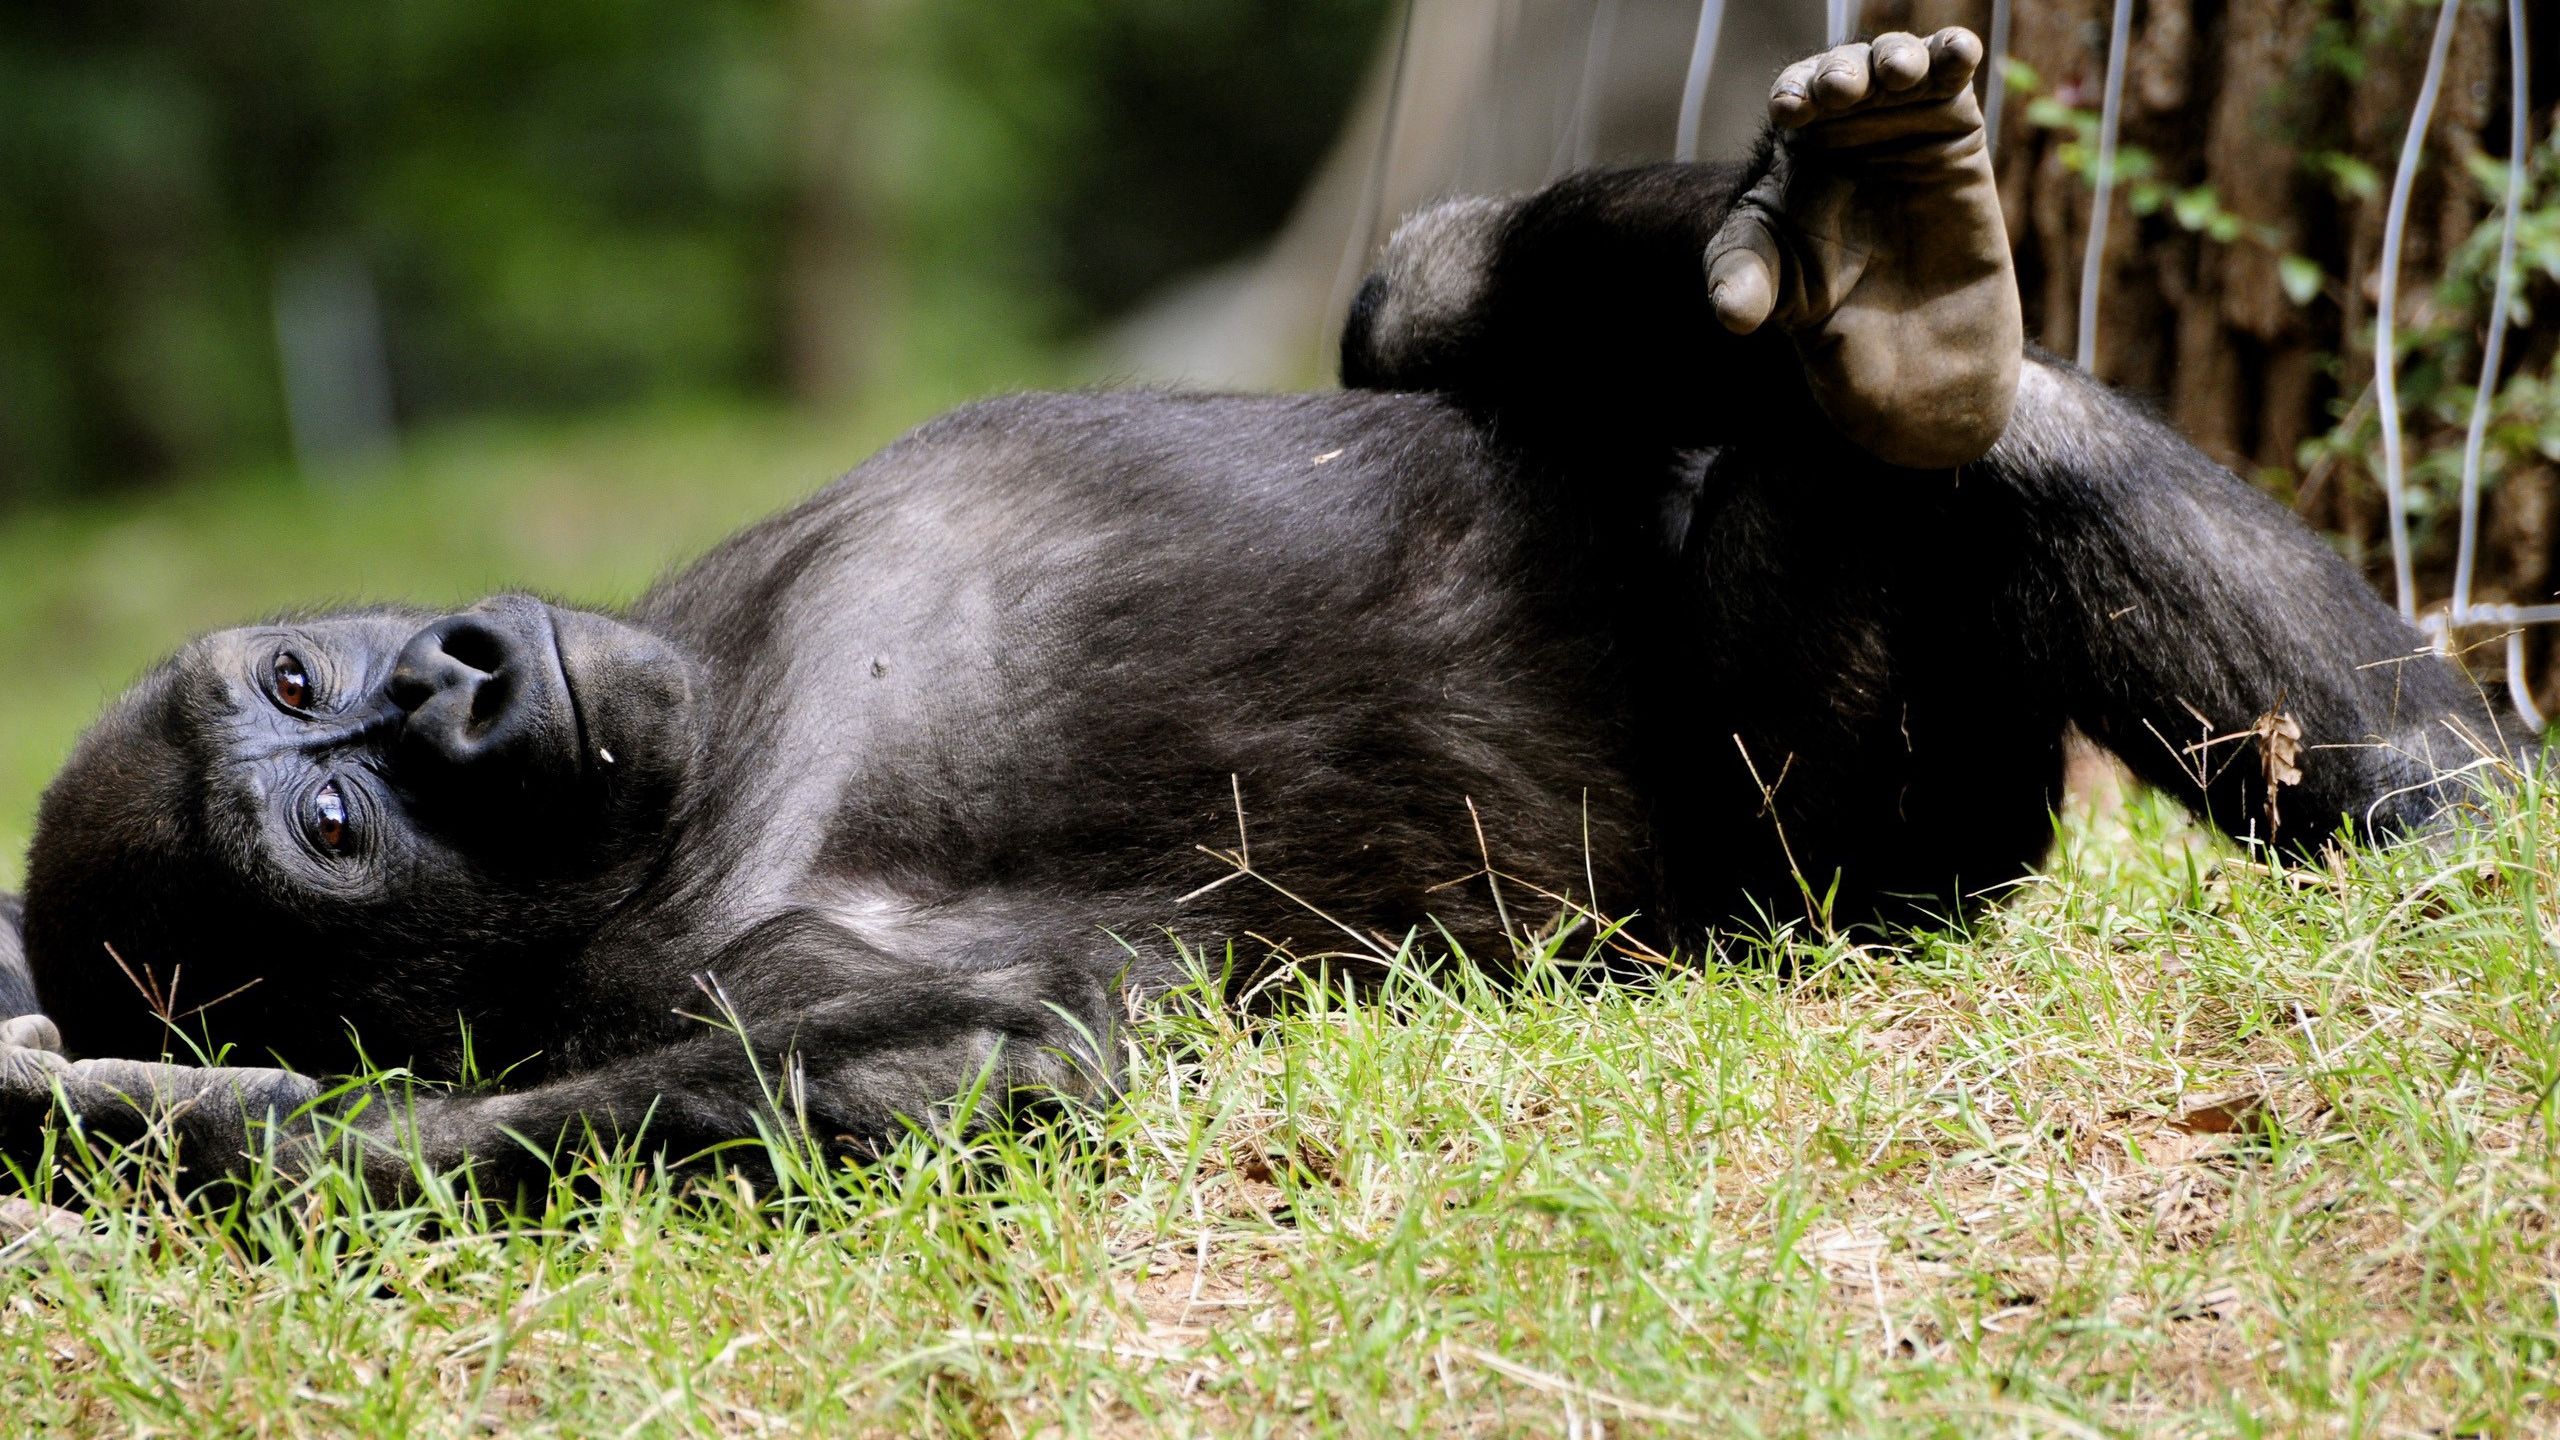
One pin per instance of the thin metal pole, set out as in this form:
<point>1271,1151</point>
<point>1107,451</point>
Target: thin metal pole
<point>1581,142</point>
<point>1363,239</point>
<point>1693,94</point>
<point>2110,115</point>
<point>2493,349</point>
<point>2386,362</point>
<point>2500,613</point>
<point>2519,693</point>
<point>1995,77</point>
<point>1843,16</point>
<point>1376,201</point>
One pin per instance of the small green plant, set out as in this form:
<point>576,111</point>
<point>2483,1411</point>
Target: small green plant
<point>2438,347</point>
<point>2197,209</point>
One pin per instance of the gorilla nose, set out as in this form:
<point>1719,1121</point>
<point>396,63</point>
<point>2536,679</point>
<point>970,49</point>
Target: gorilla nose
<point>476,688</point>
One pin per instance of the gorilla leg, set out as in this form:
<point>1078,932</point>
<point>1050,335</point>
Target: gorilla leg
<point>1862,675</point>
<point>1836,704</point>
<point>1855,273</point>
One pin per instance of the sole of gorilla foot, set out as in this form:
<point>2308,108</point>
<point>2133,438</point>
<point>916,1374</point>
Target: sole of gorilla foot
<point>1875,241</point>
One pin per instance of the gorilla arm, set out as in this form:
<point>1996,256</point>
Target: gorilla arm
<point>895,1045</point>
<point>2207,637</point>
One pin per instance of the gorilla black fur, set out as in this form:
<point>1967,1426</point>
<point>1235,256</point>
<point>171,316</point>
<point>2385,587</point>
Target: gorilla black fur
<point>909,779</point>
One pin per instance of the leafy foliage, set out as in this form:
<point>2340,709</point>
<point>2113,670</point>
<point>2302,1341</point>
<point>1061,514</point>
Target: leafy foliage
<point>2440,351</point>
<point>2438,343</point>
<point>557,206</point>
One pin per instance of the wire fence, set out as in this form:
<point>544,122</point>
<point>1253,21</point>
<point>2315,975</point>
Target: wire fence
<point>2460,610</point>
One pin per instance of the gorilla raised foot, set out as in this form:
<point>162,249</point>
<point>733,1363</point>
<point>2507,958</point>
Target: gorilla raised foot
<point>1851,281</point>
<point>1874,241</point>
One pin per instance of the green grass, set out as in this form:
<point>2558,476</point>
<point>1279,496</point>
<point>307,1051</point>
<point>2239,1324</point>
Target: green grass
<point>2172,1144</point>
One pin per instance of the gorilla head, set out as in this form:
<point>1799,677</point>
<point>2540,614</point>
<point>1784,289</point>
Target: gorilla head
<point>356,815</point>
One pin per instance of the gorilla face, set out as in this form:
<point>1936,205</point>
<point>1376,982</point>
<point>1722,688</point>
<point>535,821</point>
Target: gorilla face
<point>359,815</point>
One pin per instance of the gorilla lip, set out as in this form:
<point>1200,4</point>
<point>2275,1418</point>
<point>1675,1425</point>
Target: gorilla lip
<point>568,689</point>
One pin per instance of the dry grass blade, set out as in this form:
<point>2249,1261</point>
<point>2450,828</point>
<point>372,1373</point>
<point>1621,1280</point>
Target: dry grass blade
<point>1575,1390</point>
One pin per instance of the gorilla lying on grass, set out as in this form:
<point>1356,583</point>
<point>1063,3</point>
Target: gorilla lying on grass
<point>1754,590</point>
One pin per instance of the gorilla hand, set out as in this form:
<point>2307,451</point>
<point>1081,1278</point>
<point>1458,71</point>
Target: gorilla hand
<point>213,1113</point>
<point>1875,242</point>
<point>30,1054</point>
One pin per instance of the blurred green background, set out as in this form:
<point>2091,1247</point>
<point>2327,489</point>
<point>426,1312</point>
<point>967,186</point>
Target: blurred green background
<point>309,302</point>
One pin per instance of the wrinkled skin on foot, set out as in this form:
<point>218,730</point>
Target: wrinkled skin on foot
<point>1875,242</point>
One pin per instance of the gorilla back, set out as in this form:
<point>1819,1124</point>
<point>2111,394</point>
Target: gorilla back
<point>1596,597</point>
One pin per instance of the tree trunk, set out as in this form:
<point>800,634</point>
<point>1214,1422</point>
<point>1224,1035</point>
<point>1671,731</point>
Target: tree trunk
<point>2249,97</point>
<point>830,276</point>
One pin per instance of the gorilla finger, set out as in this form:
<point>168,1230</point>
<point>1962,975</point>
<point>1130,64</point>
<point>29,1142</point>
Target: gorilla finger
<point>1791,94</point>
<point>1954,54</point>
<point>31,1032</point>
<point>25,1071</point>
<point>1841,79</point>
<point>1742,273</point>
<point>1900,61</point>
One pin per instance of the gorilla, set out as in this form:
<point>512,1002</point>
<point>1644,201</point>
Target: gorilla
<point>1700,544</point>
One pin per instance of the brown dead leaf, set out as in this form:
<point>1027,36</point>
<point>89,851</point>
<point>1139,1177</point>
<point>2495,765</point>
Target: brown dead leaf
<point>2223,1115</point>
<point>2280,747</point>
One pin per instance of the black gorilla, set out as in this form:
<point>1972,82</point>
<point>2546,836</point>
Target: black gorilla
<point>1598,552</point>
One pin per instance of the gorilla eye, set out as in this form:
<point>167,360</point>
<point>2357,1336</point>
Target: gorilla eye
<point>329,819</point>
<point>292,682</point>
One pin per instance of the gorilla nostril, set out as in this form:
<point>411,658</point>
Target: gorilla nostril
<point>489,699</point>
<point>409,690</point>
<point>476,646</point>
<point>479,655</point>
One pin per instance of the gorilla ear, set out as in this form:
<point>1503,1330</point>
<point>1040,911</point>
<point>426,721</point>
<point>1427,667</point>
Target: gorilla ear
<point>17,982</point>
